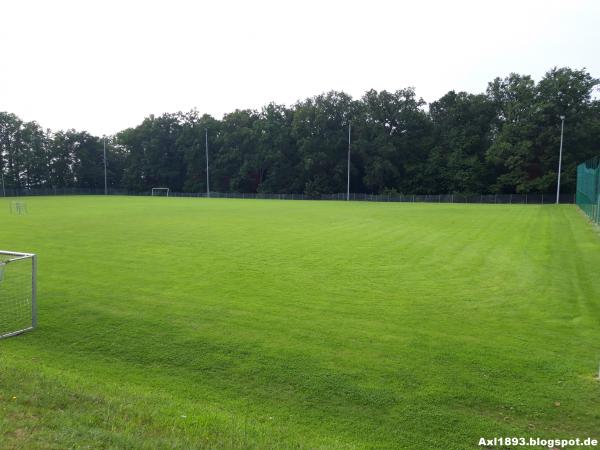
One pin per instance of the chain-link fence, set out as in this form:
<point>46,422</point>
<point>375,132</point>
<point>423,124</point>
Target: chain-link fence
<point>536,199</point>
<point>588,188</point>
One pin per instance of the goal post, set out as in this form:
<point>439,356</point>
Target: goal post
<point>160,192</point>
<point>18,207</point>
<point>18,290</point>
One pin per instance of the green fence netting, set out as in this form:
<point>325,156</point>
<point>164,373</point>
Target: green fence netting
<point>588,188</point>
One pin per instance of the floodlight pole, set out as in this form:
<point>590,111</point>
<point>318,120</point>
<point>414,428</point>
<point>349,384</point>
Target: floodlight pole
<point>207,178</point>
<point>2,175</point>
<point>562,127</point>
<point>105,182</point>
<point>349,143</point>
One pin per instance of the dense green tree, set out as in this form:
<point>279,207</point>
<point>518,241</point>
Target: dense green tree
<point>503,141</point>
<point>525,146</point>
<point>155,159</point>
<point>88,161</point>
<point>278,160</point>
<point>192,142</point>
<point>395,140</point>
<point>11,149</point>
<point>235,163</point>
<point>461,135</point>
<point>62,158</point>
<point>37,155</point>
<point>320,129</point>
<point>565,92</point>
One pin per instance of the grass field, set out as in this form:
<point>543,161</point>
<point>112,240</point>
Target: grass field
<point>205,323</point>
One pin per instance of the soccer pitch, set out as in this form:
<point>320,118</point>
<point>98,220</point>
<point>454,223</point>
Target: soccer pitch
<point>205,323</point>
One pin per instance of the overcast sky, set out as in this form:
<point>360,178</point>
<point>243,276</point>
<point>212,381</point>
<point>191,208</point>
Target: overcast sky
<point>102,66</point>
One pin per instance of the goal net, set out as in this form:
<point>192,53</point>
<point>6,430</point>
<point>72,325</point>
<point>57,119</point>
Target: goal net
<point>17,293</point>
<point>160,192</point>
<point>588,188</point>
<point>18,208</point>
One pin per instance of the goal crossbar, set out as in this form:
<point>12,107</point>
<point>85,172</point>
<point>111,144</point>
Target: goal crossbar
<point>160,189</point>
<point>17,255</point>
<point>18,300</point>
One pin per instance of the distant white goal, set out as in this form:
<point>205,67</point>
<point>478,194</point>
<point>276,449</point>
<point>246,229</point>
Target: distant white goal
<point>17,292</point>
<point>160,192</point>
<point>18,207</point>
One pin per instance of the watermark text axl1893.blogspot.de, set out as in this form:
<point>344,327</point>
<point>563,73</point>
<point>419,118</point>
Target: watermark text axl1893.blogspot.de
<point>538,442</point>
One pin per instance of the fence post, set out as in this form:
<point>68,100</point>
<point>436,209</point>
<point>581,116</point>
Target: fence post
<point>510,199</point>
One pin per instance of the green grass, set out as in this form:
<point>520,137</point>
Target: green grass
<point>204,323</point>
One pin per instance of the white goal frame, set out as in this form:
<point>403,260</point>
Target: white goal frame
<point>160,189</point>
<point>15,257</point>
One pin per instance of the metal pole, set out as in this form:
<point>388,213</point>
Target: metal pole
<point>206,146</point>
<point>33,291</point>
<point>349,143</point>
<point>105,182</point>
<point>2,175</point>
<point>562,127</point>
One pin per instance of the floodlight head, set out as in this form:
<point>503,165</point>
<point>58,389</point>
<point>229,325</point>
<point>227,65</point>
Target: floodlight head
<point>562,117</point>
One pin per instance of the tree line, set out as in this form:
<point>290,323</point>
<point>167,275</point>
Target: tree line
<point>505,140</point>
